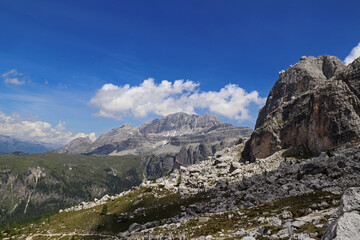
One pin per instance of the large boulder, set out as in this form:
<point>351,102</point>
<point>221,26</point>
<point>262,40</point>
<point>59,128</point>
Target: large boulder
<point>313,106</point>
<point>347,226</point>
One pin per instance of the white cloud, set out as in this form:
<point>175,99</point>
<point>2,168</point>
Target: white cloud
<point>354,54</point>
<point>14,81</point>
<point>165,98</point>
<point>37,131</point>
<point>14,77</point>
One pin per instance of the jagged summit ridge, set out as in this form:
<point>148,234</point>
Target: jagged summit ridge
<point>313,106</point>
<point>181,122</point>
<point>165,135</point>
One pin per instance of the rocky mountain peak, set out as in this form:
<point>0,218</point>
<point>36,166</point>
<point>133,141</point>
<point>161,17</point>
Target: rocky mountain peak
<point>180,122</point>
<point>351,75</point>
<point>313,106</point>
<point>305,75</point>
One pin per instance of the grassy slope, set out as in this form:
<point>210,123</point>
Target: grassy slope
<point>68,179</point>
<point>121,214</point>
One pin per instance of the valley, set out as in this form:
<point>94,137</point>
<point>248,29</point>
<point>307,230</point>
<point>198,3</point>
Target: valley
<point>40,184</point>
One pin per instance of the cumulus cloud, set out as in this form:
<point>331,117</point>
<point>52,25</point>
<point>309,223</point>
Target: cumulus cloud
<point>13,77</point>
<point>354,54</point>
<point>167,97</point>
<point>37,131</point>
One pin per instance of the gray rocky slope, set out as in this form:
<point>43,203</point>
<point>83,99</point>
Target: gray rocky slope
<point>233,187</point>
<point>175,140</point>
<point>313,106</point>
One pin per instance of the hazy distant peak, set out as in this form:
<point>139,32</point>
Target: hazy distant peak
<point>77,145</point>
<point>9,144</point>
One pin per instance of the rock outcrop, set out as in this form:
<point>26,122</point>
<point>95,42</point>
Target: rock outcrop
<point>313,106</point>
<point>347,226</point>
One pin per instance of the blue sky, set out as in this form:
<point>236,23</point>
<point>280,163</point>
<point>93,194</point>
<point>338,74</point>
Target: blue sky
<point>65,54</point>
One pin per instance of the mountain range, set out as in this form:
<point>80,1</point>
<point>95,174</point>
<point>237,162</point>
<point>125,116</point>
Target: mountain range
<point>9,145</point>
<point>175,140</point>
<point>165,135</point>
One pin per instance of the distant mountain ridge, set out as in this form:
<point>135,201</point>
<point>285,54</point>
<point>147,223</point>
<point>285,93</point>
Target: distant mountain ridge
<point>167,134</point>
<point>175,140</point>
<point>9,145</point>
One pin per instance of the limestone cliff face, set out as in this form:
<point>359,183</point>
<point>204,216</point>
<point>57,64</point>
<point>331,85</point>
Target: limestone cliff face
<point>313,106</point>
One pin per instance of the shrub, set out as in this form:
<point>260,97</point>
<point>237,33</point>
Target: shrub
<point>104,209</point>
<point>179,180</point>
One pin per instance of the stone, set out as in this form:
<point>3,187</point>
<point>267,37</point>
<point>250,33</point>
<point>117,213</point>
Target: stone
<point>286,214</point>
<point>203,219</point>
<point>274,221</point>
<point>297,224</point>
<point>135,227</point>
<point>347,226</point>
<point>351,200</point>
<point>248,238</point>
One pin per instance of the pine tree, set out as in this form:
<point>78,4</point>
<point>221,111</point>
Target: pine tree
<point>104,209</point>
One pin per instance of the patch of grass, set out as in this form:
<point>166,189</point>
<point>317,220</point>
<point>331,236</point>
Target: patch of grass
<point>139,206</point>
